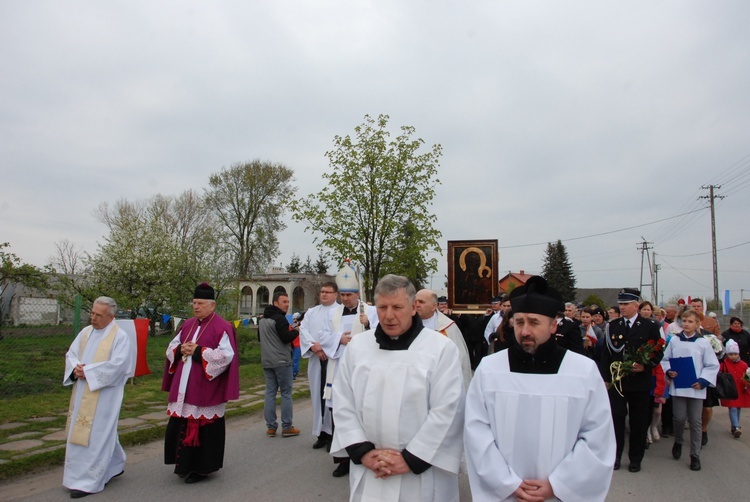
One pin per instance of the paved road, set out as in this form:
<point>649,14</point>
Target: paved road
<point>288,469</point>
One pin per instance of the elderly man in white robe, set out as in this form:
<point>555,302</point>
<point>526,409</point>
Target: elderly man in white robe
<point>426,304</point>
<point>99,362</point>
<point>538,422</point>
<point>317,344</point>
<point>399,405</point>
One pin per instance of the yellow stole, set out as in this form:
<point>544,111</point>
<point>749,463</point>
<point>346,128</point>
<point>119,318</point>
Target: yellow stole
<point>85,418</point>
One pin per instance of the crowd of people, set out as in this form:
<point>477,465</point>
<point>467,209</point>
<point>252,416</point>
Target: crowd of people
<point>531,398</point>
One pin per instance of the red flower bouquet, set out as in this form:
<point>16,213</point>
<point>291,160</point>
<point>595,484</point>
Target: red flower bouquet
<point>650,353</point>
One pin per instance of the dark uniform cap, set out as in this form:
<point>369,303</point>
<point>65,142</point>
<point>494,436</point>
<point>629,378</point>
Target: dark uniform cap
<point>627,295</point>
<point>536,297</point>
<point>497,299</point>
<point>204,292</point>
<point>442,299</point>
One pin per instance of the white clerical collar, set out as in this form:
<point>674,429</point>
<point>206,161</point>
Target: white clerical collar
<point>431,322</point>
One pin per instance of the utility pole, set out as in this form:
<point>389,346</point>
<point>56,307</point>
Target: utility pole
<point>644,249</point>
<point>711,196</point>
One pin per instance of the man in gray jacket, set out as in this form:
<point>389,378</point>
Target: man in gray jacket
<point>275,337</point>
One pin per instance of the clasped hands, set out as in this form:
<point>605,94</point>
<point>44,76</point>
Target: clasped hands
<point>385,462</point>
<point>317,349</point>
<point>188,348</point>
<point>78,372</point>
<point>534,490</point>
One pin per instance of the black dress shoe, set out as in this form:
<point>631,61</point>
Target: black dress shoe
<point>634,467</point>
<point>695,463</point>
<point>676,451</point>
<point>617,465</point>
<point>322,442</point>
<point>341,470</point>
<point>704,438</point>
<point>115,476</point>
<point>77,494</point>
<point>194,477</point>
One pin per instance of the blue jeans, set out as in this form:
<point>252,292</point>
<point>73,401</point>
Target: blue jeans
<point>734,417</point>
<point>296,355</point>
<point>278,378</point>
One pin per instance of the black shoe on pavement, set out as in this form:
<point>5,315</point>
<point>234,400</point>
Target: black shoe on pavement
<point>695,463</point>
<point>77,494</point>
<point>115,476</point>
<point>617,464</point>
<point>342,470</point>
<point>323,441</point>
<point>676,451</point>
<point>704,439</point>
<point>634,467</point>
<point>194,477</point>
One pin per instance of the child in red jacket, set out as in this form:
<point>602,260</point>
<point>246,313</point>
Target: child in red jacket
<point>736,367</point>
<point>660,397</point>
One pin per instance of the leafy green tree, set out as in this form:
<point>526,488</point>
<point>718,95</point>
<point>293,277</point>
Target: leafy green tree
<point>558,271</point>
<point>249,200</point>
<point>375,188</point>
<point>157,251</point>
<point>408,262</point>
<point>295,264</point>
<point>14,271</point>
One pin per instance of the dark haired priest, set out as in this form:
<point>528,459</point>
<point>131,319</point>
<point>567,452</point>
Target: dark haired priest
<point>538,423</point>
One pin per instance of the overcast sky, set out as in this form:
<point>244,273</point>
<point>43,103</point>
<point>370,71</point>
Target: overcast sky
<point>558,120</point>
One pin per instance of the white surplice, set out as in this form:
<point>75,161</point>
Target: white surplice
<point>316,327</point>
<point>447,326</point>
<point>88,468</point>
<point>535,426</point>
<point>402,399</point>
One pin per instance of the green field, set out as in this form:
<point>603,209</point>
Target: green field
<point>31,386</point>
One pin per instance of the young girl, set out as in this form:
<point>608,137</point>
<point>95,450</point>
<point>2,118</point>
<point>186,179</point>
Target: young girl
<point>736,367</point>
<point>687,402</point>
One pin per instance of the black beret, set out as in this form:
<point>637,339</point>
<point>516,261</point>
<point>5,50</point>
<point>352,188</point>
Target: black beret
<point>536,297</point>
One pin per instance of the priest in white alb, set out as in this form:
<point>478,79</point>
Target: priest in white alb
<point>538,422</point>
<point>426,303</point>
<point>318,343</point>
<point>399,405</point>
<point>97,365</point>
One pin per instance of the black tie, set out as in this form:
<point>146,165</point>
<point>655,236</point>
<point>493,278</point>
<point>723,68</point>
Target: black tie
<point>627,325</point>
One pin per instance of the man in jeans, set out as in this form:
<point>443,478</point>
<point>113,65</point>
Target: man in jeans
<point>275,337</point>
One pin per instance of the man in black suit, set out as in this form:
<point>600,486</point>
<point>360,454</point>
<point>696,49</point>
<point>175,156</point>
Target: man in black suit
<point>624,336</point>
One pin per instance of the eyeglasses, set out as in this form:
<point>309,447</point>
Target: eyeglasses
<point>327,292</point>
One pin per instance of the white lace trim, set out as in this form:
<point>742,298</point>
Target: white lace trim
<point>184,410</point>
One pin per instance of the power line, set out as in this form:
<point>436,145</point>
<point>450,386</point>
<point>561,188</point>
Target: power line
<point>602,233</point>
<point>701,254</point>
<point>684,275</point>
